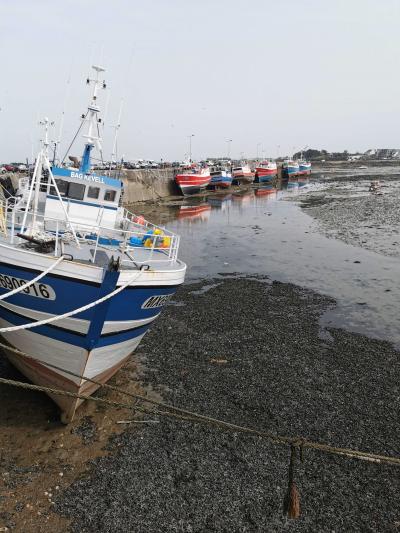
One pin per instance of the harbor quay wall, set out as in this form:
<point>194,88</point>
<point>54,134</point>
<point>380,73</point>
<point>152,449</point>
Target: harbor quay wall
<point>148,184</point>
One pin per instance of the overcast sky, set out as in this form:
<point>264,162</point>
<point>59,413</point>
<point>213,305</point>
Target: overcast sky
<point>285,73</point>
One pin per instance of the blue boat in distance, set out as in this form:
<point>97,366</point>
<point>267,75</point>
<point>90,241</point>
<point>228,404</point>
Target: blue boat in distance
<point>220,177</point>
<point>304,167</point>
<point>290,168</point>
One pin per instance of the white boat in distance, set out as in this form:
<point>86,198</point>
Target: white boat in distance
<point>81,278</point>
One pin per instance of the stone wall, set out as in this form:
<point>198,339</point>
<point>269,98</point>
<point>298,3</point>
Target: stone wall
<point>148,184</point>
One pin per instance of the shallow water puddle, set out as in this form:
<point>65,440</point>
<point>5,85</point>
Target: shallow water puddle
<point>257,233</point>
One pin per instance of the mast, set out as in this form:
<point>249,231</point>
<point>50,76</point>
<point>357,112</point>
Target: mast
<point>116,127</point>
<point>92,135</point>
<point>39,169</point>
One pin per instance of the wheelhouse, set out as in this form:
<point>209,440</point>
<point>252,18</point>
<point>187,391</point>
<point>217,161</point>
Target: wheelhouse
<point>87,198</point>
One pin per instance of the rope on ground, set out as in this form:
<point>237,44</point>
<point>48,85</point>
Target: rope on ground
<point>52,319</point>
<point>25,286</point>
<point>184,414</point>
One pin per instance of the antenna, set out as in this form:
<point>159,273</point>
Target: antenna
<point>66,97</point>
<point>116,128</point>
<point>46,123</point>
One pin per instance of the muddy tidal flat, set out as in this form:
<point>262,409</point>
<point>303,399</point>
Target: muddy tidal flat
<point>346,210</point>
<point>288,322</point>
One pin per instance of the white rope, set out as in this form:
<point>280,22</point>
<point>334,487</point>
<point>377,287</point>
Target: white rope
<point>34,280</point>
<point>70,313</point>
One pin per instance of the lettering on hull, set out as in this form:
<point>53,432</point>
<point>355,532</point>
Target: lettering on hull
<point>156,301</point>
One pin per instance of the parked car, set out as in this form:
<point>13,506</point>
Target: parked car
<point>10,168</point>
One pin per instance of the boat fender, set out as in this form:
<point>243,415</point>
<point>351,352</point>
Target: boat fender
<point>139,220</point>
<point>135,241</point>
<point>166,242</point>
<point>147,235</point>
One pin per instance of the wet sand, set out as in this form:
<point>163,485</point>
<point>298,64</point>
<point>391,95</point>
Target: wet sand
<point>40,457</point>
<point>346,210</point>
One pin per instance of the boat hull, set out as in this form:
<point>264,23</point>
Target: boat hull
<point>192,183</point>
<point>264,175</point>
<point>95,343</point>
<point>221,181</point>
<point>290,172</point>
<point>242,175</point>
<point>304,170</point>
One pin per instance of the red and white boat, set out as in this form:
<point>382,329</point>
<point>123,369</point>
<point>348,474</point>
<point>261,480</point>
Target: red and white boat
<point>265,171</point>
<point>193,181</point>
<point>242,174</point>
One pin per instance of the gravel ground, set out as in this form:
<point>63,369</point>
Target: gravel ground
<point>345,210</point>
<point>251,352</point>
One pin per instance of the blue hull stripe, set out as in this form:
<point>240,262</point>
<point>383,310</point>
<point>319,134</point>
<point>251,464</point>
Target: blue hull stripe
<point>72,294</point>
<point>73,338</point>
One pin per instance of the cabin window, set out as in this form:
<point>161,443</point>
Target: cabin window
<point>76,191</point>
<point>62,186</point>
<point>109,195</point>
<point>93,192</point>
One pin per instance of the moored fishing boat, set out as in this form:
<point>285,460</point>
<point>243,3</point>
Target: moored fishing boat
<point>193,181</point>
<point>81,278</point>
<point>265,171</point>
<point>304,167</point>
<point>242,174</point>
<point>290,168</point>
<point>220,177</point>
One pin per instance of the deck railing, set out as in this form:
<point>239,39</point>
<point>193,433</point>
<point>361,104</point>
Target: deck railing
<point>133,236</point>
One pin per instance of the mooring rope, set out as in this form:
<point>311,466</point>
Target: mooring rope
<point>184,414</point>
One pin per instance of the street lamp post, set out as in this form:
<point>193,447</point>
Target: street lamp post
<point>190,147</point>
<point>229,147</point>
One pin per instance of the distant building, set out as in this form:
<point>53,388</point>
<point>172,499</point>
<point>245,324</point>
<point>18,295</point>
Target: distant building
<point>383,153</point>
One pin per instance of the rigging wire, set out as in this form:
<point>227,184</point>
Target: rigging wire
<point>76,135</point>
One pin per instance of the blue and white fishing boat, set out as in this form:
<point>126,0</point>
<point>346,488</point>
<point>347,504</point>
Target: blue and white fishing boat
<point>81,278</point>
<point>304,167</point>
<point>290,168</point>
<point>220,177</point>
